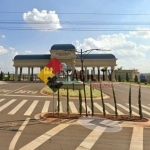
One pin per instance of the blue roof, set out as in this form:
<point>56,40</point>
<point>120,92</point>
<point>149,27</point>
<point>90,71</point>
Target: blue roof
<point>63,47</point>
<point>97,56</point>
<point>38,56</point>
<point>47,56</point>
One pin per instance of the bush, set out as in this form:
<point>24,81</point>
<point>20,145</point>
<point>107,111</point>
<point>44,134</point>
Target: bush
<point>145,83</point>
<point>123,80</point>
<point>136,78</point>
<point>119,78</point>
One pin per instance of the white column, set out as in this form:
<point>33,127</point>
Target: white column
<point>20,73</point>
<point>16,73</point>
<point>28,73</point>
<point>32,73</point>
<point>113,74</point>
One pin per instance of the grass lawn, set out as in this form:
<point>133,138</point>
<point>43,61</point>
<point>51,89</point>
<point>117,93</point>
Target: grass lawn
<point>73,93</point>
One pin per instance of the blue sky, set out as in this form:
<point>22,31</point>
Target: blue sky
<point>130,47</point>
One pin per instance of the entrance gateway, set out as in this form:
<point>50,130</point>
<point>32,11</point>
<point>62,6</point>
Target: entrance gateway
<point>65,53</point>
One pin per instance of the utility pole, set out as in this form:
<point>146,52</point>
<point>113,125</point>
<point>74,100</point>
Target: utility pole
<point>83,82</point>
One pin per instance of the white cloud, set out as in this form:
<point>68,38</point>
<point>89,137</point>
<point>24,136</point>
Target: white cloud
<point>28,52</point>
<point>141,33</point>
<point>11,48</point>
<point>130,54</point>
<point>3,36</point>
<point>118,43</point>
<point>42,20</point>
<point>3,50</point>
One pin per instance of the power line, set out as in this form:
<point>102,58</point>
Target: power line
<point>78,13</point>
<point>75,22</point>
<point>70,29</point>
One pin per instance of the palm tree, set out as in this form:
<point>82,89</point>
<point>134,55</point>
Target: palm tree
<point>120,68</point>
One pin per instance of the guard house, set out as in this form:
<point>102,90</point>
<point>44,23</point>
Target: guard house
<point>65,53</point>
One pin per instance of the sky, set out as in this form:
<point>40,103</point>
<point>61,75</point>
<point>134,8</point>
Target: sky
<point>32,27</point>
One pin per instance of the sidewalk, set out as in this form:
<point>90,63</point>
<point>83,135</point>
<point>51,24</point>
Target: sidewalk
<point>3,82</point>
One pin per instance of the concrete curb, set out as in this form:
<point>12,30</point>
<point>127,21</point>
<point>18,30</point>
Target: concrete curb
<point>42,119</point>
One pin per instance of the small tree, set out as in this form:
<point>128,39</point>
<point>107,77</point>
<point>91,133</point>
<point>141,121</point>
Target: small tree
<point>68,111</point>
<point>127,77</point>
<point>103,104</point>
<point>139,102</point>
<point>1,76</point>
<point>136,78</point>
<point>80,102</point>
<point>91,94</point>
<point>115,101</point>
<point>58,107</point>
<point>119,78</point>
<point>130,108</point>
<point>8,76</point>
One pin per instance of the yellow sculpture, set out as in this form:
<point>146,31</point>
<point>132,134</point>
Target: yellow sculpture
<point>45,73</point>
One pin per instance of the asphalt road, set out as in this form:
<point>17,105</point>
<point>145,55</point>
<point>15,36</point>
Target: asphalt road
<point>20,102</point>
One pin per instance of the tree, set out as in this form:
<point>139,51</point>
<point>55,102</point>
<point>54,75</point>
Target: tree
<point>119,78</point>
<point>127,77</point>
<point>136,78</point>
<point>8,76</point>
<point>120,68</point>
<point>1,75</point>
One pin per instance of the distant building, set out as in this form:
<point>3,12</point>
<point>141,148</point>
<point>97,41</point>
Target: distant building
<point>65,53</point>
<point>131,74</point>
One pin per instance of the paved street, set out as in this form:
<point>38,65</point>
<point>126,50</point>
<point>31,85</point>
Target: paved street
<point>20,102</point>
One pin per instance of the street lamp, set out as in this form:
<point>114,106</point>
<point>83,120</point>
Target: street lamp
<point>83,56</point>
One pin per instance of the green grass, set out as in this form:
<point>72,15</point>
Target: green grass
<point>73,93</point>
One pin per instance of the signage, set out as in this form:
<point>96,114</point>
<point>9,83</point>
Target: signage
<point>48,74</point>
<point>63,53</point>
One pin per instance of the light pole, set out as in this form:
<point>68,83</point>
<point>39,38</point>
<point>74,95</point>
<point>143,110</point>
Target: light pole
<point>83,56</point>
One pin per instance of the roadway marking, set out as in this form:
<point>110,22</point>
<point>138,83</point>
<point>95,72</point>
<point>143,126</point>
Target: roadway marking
<point>127,109</point>
<point>137,139</point>
<point>118,90</point>
<point>72,107</point>
<point>100,108</point>
<point>88,108</point>
<point>2,99</point>
<point>135,88</point>
<point>18,134</point>
<point>113,108</point>
<point>31,108</point>
<point>43,138</point>
<point>12,112</point>
<point>145,107</point>
<point>7,104</point>
<point>26,91</point>
<point>17,89</point>
<point>142,110</point>
<point>90,140</point>
<point>46,106</point>
<point>23,95</point>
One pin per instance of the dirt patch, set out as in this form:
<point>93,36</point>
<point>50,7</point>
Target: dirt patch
<point>77,116</point>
